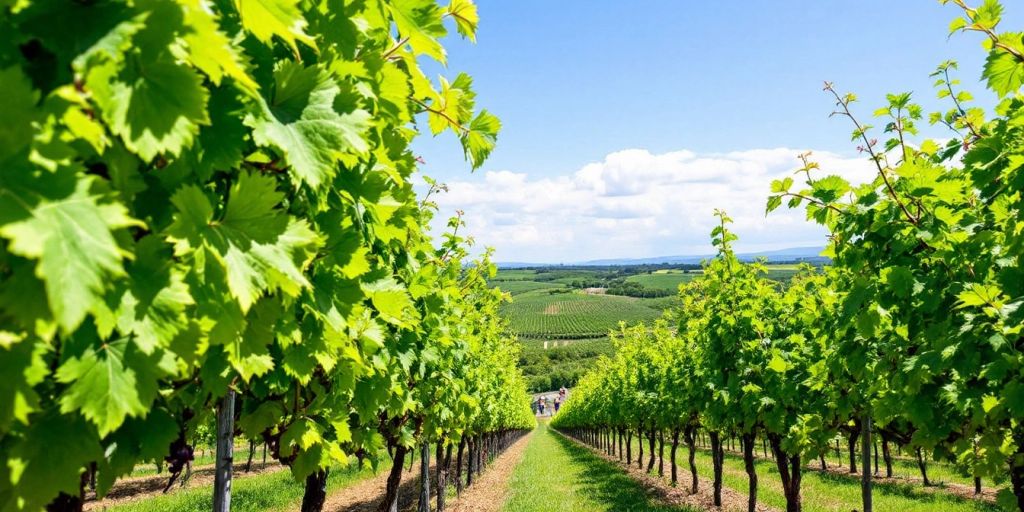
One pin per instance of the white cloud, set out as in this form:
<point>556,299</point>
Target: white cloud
<point>638,204</point>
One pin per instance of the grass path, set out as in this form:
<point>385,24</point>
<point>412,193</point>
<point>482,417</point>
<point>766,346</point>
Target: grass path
<point>558,475</point>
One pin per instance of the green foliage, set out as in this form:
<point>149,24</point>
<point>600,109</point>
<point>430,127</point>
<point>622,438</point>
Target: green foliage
<point>916,325</point>
<point>197,196</point>
<point>539,314</point>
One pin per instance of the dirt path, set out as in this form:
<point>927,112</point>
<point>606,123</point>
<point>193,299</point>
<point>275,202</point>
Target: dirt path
<point>732,501</point>
<point>366,495</point>
<point>489,493</point>
<point>144,487</point>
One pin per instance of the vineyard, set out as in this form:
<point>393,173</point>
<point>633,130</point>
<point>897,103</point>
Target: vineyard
<point>909,342</point>
<point>225,285</point>
<point>663,280</point>
<point>540,314</point>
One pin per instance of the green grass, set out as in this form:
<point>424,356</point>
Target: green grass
<point>204,458</point>
<point>825,492</point>
<point>557,475</point>
<point>661,280</point>
<point>518,287</point>
<point>267,491</point>
<point>514,275</point>
<point>539,314</point>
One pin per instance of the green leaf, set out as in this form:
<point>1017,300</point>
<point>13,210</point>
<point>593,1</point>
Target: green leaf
<point>988,14</point>
<point>221,144</point>
<point>303,434</point>
<point>155,106</point>
<point>1003,72</point>
<point>259,246</point>
<point>777,363</point>
<point>137,440</point>
<point>421,22</point>
<point>47,461</point>
<point>210,50</point>
<point>989,402</point>
<point>249,353</point>
<point>899,279</point>
<point>781,186</point>
<point>269,18</point>
<point>153,308</point>
<point>979,295</point>
<point>829,188</point>
<point>23,366</point>
<point>300,121</point>
<point>57,220</point>
<point>108,383</point>
<point>18,103</point>
<point>266,415</point>
<point>391,300</point>
<point>479,140</point>
<point>466,17</point>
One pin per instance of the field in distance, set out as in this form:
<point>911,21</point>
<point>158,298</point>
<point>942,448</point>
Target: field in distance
<point>562,315</point>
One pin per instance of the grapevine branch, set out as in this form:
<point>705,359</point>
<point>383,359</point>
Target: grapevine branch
<point>432,110</point>
<point>813,201</point>
<point>398,45</point>
<point>956,103</point>
<point>869,147</point>
<point>988,32</point>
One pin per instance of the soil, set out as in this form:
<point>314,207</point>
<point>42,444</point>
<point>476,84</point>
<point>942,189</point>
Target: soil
<point>486,495</point>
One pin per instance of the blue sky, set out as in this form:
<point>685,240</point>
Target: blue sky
<point>620,85</point>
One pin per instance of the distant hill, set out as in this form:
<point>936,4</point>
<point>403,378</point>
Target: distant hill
<point>808,254</point>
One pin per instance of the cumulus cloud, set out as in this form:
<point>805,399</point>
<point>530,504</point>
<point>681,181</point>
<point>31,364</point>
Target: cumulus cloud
<point>638,204</point>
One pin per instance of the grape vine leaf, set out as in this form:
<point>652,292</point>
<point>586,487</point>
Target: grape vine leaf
<point>23,365</point>
<point>56,219</point>
<point>1004,72</point>
<point>210,50</point>
<point>155,106</point>
<point>466,17</point>
<point>154,305</point>
<point>266,415</point>
<point>269,18</point>
<point>421,22</point>
<point>479,140</point>
<point>260,247</point>
<point>390,299</point>
<point>248,353</point>
<point>301,122</point>
<point>108,383</point>
<point>48,460</point>
<point>138,439</point>
<point>18,105</point>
